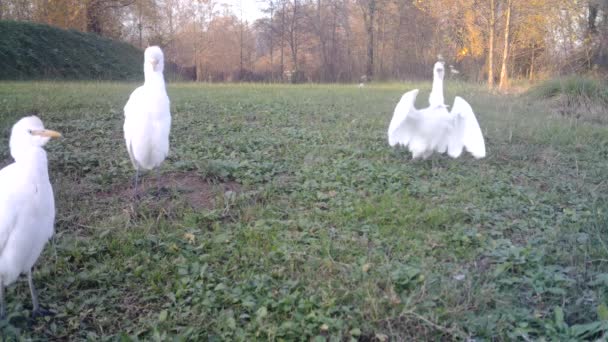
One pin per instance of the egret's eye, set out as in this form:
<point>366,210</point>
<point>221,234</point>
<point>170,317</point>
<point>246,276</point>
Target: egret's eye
<point>30,131</point>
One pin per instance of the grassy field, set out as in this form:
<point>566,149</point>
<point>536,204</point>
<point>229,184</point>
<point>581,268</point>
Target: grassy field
<point>288,217</point>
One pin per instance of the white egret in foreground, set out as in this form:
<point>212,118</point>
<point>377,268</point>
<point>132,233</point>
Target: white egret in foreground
<point>27,206</point>
<point>147,117</point>
<point>433,129</point>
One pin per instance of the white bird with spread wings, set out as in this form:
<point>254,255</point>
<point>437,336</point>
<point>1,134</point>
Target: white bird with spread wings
<point>435,129</point>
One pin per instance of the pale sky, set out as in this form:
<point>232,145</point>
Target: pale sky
<point>251,9</point>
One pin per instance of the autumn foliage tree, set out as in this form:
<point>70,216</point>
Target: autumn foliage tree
<point>488,41</point>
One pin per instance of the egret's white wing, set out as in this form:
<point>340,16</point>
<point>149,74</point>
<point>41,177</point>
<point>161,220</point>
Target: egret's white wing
<point>130,126</point>
<point>13,197</point>
<point>399,130</point>
<point>163,123</point>
<point>133,102</point>
<point>466,131</point>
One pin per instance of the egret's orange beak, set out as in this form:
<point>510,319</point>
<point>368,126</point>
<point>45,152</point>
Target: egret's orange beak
<point>47,133</point>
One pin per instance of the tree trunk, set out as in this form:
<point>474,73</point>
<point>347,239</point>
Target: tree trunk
<point>505,55</point>
<point>241,46</point>
<point>369,70</point>
<point>349,52</point>
<point>491,45</point>
<point>321,45</point>
<point>531,74</point>
<point>333,54</point>
<point>140,24</point>
<point>591,17</point>
<point>293,40</point>
<point>282,40</point>
<point>271,42</point>
<point>93,17</point>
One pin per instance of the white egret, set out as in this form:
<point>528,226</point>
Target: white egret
<point>434,128</point>
<point>147,117</point>
<point>27,206</point>
<point>453,70</point>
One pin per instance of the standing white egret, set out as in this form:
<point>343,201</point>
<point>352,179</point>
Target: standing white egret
<point>434,128</point>
<point>147,117</point>
<point>27,206</point>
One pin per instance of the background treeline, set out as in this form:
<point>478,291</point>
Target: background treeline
<point>492,41</point>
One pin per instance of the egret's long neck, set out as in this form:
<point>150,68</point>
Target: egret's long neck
<point>436,97</point>
<point>154,78</point>
<point>33,163</point>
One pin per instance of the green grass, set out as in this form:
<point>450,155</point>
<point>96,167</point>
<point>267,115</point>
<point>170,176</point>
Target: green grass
<point>575,97</point>
<point>30,51</point>
<point>575,86</point>
<point>327,233</point>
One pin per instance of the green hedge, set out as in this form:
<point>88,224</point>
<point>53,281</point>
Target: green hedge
<point>30,51</point>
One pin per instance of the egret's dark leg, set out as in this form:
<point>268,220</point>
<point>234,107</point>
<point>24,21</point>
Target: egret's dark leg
<point>36,310</point>
<point>135,181</point>
<point>30,281</point>
<point>2,307</point>
<point>158,180</point>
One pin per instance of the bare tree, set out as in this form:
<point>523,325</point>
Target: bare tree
<point>95,10</point>
<point>293,37</point>
<point>241,42</point>
<point>505,54</point>
<point>368,7</point>
<point>491,34</point>
<point>271,10</point>
<point>283,10</point>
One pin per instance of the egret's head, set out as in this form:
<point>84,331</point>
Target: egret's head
<point>154,59</point>
<point>439,69</point>
<point>29,132</point>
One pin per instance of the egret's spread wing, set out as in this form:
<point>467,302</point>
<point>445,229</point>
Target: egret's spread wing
<point>399,130</point>
<point>466,131</point>
<point>12,199</point>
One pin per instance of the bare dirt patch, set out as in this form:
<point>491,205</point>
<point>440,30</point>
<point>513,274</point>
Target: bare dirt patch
<point>196,191</point>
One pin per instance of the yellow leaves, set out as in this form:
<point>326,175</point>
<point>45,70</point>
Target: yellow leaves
<point>462,53</point>
<point>190,238</point>
<point>475,38</point>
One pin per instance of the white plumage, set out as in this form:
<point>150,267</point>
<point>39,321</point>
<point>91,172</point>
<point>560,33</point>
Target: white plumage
<point>147,116</point>
<point>27,205</point>
<point>436,96</point>
<point>434,129</point>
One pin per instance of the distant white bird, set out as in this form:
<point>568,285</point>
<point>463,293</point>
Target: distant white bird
<point>27,206</point>
<point>361,85</point>
<point>434,129</point>
<point>147,117</point>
